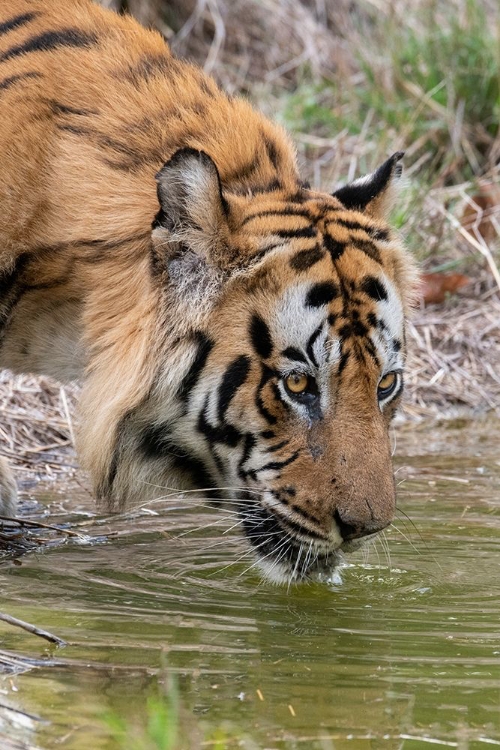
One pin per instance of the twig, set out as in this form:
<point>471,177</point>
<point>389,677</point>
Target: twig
<point>32,629</point>
<point>23,713</point>
<point>40,525</point>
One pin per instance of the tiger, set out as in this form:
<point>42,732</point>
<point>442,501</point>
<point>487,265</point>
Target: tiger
<point>236,333</point>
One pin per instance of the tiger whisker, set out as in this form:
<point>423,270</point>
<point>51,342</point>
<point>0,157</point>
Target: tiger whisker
<point>269,554</point>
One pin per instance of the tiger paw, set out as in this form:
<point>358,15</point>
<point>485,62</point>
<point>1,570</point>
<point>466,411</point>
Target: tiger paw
<point>8,491</point>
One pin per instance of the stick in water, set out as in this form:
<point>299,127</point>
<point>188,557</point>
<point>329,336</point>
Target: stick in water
<point>32,629</point>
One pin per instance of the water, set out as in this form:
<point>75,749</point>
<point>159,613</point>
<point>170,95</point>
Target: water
<point>403,653</point>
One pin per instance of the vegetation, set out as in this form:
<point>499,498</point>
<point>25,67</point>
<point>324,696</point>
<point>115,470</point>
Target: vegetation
<point>167,726</point>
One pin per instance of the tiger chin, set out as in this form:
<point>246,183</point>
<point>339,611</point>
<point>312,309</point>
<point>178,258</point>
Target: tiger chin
<point>235,331</point>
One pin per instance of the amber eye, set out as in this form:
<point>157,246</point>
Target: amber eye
<point>387,385</point>
<point>297,383</point>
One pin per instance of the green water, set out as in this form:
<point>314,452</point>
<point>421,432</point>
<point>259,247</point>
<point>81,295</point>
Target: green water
<point>403,652</point>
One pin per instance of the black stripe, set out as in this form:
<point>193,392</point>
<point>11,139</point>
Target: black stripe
<point>374,288</point>
<point>336,249</point>
<point>288,211</point>
<point>311,342</point>
<point>268,434</point>
<point>294,354</point>
<point>272,152</point>
<point>277,447</point>
<point>305,515</point>
<point>16,22</point>
<point>244,172</point>
<point>292,233</point>
<point>344,359</point>
<point>358,327</point>
<point>234,377</point>
<point>369,347</point>
<point>376,232</point>
<point>199,474</point>
<point>155,441</point>
<point>76,129</point>
<point>12,80</point>
<point>304,259</point>
<point>276,465</point>
<point>226,434</point>
<point>367,247</point>
<point>270,187</point>
<point>248,446</point>
<point>260,336</point>
<point>12,288</point>
<point>204,347</point>
<point>64,109</point>
<point>148,66</point>
<point>322,294</point>
<point>368,228</point>
<point>277,396</point>
<point>49,40</point>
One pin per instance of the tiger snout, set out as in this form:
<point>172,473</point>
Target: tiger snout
<point>365,498</point>
<point>346,495</point>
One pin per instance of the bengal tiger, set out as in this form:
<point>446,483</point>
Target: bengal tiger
<point>234,331</point>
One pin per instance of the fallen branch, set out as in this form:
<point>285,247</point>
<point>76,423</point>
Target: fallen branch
<point>39,525</point>
<point>32,629</point>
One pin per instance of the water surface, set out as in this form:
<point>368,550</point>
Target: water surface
<point>400,651</point>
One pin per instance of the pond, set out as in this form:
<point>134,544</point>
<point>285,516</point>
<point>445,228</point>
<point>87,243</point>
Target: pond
<point>401,650</point>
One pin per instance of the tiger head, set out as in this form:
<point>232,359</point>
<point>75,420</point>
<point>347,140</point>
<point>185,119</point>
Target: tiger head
<point>284,350</point>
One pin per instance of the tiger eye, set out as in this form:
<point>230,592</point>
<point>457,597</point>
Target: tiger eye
<point>297,382</point>
<point>387,384</point>
<point>387,381</point>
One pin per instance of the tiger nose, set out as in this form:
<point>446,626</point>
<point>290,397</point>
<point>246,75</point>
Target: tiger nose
<point>352,528</point>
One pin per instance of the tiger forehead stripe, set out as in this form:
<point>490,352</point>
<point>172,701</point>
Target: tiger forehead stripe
<point>288,211</point>
<point>260,336</point>
<point>374,288</point>
<point>321,294</point>
<point>305,259</point>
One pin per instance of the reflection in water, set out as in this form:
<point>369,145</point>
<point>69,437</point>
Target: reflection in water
<point>406,646</point>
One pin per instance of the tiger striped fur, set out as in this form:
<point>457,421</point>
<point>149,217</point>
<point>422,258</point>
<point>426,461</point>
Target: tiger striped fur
<point>231,327</point>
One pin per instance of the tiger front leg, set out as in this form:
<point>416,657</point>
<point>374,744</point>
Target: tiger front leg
<point>8,491</point>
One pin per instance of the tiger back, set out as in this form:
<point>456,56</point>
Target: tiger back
<point>234,331</point>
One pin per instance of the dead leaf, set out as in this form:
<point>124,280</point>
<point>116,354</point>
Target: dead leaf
<point>436,286</point>
<point>481,215</point>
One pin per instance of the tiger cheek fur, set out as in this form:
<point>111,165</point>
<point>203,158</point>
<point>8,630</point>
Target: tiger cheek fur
<point>234,331</point>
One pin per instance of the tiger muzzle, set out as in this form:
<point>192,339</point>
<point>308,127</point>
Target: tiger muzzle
<point>364,499</point>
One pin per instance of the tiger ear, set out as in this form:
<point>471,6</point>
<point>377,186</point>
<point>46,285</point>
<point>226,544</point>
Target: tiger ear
<point>193,212</point>
<point>373,193</point>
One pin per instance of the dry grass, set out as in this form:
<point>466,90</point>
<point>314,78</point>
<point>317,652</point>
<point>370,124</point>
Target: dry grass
<point>36,430</point>
<point>341,76</point>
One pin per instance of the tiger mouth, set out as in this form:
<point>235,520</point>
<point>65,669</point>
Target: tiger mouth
<point>285,552</point>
